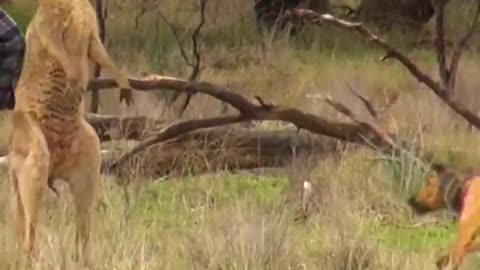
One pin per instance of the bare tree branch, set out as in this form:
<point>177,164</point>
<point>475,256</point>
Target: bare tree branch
<point>140,14</point>
<point>195,60</point>
<point>439,6</point>
<point>460,47</point>
<point>389,103</point>
<point>366,102</point>
<point>392,52</point>
<point>358,132</point>
<point>380,132</point>
<point>181,47</point>
<point>195,45</point>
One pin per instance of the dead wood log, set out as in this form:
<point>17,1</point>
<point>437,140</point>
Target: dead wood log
<point>220,148</point>
<point>109,127</point>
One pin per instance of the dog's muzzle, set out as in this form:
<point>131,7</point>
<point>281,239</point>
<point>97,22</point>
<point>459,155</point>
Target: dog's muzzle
<point>418,207</point>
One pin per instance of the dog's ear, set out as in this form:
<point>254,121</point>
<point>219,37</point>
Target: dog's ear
<point>439,167</point>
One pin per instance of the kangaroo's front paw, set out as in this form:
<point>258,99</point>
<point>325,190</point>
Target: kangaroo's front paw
<point>127,96</point>
<point>124,83</point>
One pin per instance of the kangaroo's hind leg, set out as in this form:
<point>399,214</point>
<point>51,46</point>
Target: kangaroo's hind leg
<point>29,168</point>
<point>84,181</point>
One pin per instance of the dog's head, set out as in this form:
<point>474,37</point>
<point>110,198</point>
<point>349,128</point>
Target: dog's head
<point>429,198</point>
<point>432,196</point>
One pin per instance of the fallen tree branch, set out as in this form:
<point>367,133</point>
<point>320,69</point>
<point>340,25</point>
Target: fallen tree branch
<point>350,132</point>
<point>440,90</point>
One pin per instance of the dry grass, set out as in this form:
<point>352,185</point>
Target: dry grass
<point>230,222</point>
<point>224,221</point>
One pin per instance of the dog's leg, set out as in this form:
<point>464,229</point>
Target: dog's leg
<point>468,227</point>
<point>84,184</point>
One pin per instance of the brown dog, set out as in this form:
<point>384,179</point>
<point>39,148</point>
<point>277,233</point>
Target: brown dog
<point>449,189</point>
<point>50,137</point>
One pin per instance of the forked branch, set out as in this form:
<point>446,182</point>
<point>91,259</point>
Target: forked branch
<point>194,61</point>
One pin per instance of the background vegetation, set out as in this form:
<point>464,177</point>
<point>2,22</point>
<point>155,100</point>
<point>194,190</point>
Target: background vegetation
<point>247,220</point>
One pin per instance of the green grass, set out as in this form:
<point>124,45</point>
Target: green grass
<point>423,238</point>
<point>185,201</point>
<point>182,199</point>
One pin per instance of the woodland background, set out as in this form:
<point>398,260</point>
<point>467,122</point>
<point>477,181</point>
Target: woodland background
<point>229,197</point>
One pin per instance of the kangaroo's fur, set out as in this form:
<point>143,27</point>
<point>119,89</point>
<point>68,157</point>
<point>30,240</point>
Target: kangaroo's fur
<point>50,137</point>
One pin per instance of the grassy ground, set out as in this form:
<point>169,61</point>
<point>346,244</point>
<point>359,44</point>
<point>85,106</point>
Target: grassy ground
<point>246,221</point>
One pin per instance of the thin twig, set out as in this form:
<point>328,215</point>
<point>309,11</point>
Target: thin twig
<point>179,42</point>
<point>374,127</point>
<point>195,45</point>
<point>366,102</point>
<point>195,61</point>
<point>140,14</point>
<point>389,103</point>
<point>439,6</point>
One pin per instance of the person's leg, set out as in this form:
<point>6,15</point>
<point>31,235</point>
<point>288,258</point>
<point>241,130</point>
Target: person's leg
<point>7,99</point>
